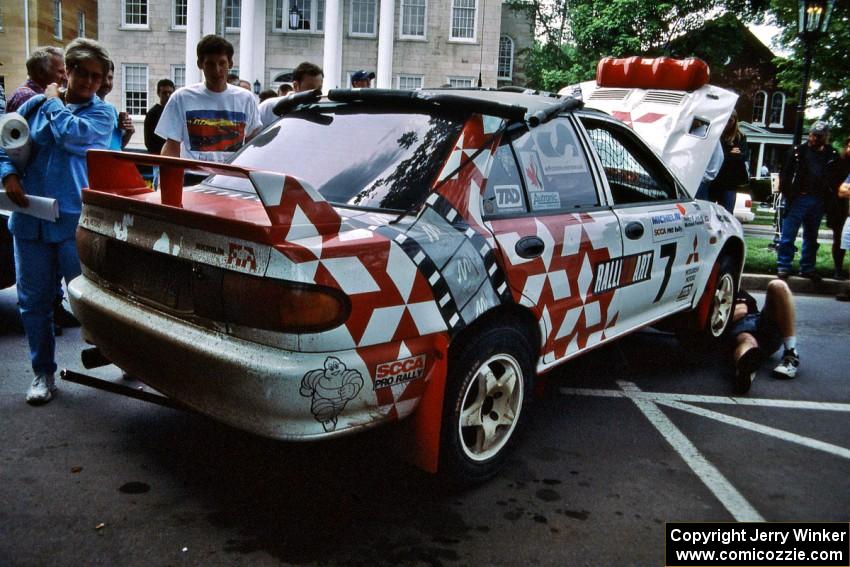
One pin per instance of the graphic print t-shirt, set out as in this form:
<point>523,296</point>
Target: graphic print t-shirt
<point>210,126</point>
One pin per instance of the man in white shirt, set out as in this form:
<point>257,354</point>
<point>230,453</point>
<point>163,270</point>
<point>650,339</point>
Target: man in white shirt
<point>306,77</point>
<point>211,120</point>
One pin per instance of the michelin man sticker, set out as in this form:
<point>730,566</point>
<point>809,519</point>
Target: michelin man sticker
<point>330,389</point>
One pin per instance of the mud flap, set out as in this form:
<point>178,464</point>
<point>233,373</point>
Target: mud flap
<point>424,425</point>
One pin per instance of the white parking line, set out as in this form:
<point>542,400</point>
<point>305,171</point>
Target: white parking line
<point>713,479</point>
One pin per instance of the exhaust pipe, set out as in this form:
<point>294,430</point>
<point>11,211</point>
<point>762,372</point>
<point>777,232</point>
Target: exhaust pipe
<point>93,358</point>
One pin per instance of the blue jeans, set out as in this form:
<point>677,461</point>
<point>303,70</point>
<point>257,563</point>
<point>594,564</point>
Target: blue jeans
<point>39,264</point>
<point>806,210</point>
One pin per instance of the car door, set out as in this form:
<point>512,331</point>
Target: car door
<point>656,221</point>
<point>542,202</point>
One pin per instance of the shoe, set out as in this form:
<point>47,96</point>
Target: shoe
<point>788,368</point>
<point>813,275</point>
<point>63,318</point>
<point>41,390</point>
<point>843,296</point>
<point>783,274</point>
<point>839,275</point>
<point>745,369</point>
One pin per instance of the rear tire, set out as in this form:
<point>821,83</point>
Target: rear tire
<point>489,379</point>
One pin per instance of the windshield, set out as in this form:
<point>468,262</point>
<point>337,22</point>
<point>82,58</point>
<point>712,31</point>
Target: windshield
<point>384,160</point>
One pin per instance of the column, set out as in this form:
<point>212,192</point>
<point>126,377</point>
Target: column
<point>331,60</point>
<point>259,41</point>
<point>760,160</point>
<point>386,26</point>
<point>246,42</point>
<point>209,18</point>
<point>193,36</point>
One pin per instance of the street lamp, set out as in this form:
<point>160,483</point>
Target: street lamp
<point>294,19</point>
<point>813,21</point>
<point>257,87</point>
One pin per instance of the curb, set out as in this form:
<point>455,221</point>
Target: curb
<point>827,286</point>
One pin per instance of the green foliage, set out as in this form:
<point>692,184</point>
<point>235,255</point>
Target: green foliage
<point>761,258</point>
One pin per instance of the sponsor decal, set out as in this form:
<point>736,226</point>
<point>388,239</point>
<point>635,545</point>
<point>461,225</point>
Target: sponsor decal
<point>666,226</point>
<point>242,257</point>
<point>531,168</point>
<point>508,197</point>
<point>330,389</point>
<point>686,291</point>
<point>210,249</point>
<point>542,200</point>
<point>693,256</point>
<point>399,371</point>
<point>694,219</point>
<point>622,272</point>
<point>691,274</point>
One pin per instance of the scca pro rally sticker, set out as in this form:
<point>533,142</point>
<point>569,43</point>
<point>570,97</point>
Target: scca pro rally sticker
<point>397,372</point>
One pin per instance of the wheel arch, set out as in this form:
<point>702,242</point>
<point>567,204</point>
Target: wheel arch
<point>516,314</point>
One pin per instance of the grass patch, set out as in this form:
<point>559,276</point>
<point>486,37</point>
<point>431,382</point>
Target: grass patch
<point>761,259</point>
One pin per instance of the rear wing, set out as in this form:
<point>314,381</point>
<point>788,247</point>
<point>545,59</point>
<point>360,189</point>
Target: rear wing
<point>284,197</point>
<point>669,103</point>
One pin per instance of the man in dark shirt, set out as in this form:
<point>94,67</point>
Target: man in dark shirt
<point>805,184</point>
<point>164,89</point>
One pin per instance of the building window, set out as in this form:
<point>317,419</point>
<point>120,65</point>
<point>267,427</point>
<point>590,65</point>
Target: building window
<point>1,18</point>
<point>506,58</point>
<point>460,82</point>
<point>463,20</point>
<point>409,82</point>
<point>777,109</point>
<point>363,18</point>
<point>81,23</point>
<point>57,19</point>
<point>135,13</point>
<point>179,11</point>
<point>310,15</point>
<point>232,15</point>
<point>413,18</point>
<point>759,107</point>
<point>135,89</point>
<point>178,75</point>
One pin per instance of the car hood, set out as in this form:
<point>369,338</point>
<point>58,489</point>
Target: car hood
<point>683,127</point>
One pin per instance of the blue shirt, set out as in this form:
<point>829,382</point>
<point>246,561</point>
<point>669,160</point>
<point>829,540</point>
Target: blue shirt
<point>61,135</point>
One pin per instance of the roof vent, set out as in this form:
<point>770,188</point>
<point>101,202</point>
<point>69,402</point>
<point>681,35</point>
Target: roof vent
<point>610,94</point>
<point>665,97</point>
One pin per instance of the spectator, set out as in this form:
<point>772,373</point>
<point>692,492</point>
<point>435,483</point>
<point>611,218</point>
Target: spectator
<point>284,89</point>
<point>267,94</point>
<point>306,77</point>
<point>758,334</point>
<point>711,170</point>
<point>844,193</point>
<point>804,182</point>
<point>123,129</point>
<point>361,79</point>
<point>837,209</point>
<point>164,90</point>
<point>244,84</point>
<point>63,128</point>
<point>233,79</point>
<point>733,173</point>
<point>210,120</point>
<point>45,65</point>
<point>764,171</point>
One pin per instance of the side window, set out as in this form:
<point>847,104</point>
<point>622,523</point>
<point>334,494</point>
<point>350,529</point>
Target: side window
<point>634,174</point>
<point>555,168</point>
<point>503,195</point>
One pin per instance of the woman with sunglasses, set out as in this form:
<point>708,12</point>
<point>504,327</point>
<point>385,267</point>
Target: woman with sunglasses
<point>63,126</point>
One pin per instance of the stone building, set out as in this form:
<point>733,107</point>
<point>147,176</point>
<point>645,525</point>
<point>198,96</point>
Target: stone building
<point>27,24</point>
<point>407,43</point>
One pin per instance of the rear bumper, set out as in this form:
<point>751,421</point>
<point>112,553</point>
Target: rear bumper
<point>254,387</point>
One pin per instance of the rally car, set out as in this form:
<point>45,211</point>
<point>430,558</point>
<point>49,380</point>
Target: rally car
<point>380,255</point>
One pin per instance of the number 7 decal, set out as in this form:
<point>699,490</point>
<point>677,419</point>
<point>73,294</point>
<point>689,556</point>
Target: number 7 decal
<point>667,251</point>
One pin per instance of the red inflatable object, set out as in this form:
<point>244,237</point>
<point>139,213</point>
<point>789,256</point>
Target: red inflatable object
<point>652,73</point>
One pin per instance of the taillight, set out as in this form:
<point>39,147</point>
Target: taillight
<point>279,305</point>
<point>748,203</point>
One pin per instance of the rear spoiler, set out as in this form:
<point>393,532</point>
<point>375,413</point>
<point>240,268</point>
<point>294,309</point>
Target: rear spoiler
<point>281,195</point>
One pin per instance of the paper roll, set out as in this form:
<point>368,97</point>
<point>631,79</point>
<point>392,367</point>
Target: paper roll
<point>15,138</point>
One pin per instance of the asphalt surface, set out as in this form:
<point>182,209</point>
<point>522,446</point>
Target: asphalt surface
<point>97,479</point>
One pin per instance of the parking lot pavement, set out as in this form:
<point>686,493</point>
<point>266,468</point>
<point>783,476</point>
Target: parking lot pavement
<point>622,440</point>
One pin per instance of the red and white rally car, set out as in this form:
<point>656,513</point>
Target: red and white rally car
<point>377,255</point>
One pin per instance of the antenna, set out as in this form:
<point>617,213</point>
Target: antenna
<point>481,58</point>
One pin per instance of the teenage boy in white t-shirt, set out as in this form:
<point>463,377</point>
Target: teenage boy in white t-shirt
<point>211,120</point>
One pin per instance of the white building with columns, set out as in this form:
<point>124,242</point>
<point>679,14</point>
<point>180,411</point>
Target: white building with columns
<point>406,43</point>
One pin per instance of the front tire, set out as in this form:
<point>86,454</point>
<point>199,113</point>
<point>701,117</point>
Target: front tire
<point>489,379</point>
<point>720,311</point>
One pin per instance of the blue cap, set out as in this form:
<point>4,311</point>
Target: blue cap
<point>362,75</point>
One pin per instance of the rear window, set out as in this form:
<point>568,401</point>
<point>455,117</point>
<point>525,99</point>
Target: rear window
<point>353,157</point>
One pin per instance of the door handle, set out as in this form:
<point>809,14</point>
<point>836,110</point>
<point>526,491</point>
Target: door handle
<point>634,230</point>
<point>529,247</point>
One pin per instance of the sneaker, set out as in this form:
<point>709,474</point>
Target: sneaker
<point>41,390</point>
<point>745,369</point>
<point>63,318</point>
<point>787,369</point>
<point>783,274</point>
<point>839,275</point>
<point>813,275</point>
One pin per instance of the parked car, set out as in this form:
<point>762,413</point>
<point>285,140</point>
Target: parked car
<point>382,255</point>
<point>744,207</point>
